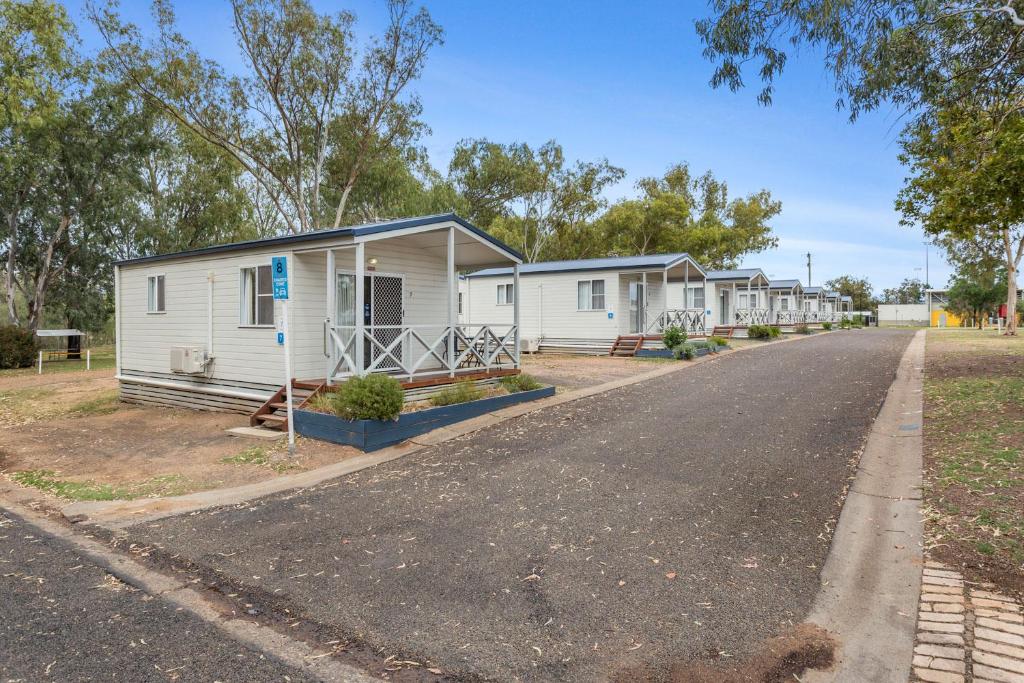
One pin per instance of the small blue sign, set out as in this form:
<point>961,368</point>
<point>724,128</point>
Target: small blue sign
<point>611,314</point>
<point>279,271</point>
<point>280,338</point>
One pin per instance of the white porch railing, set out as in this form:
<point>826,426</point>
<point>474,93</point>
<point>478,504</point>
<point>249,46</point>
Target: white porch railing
<point>421,350</point>
<point>789,317</point>
<point>691,320</point>
<point>751,316</point>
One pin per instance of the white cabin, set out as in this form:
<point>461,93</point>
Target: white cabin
<point>786,302</point>
<point>201,328</point>
<point>590,302</point>
<point>738,298</point>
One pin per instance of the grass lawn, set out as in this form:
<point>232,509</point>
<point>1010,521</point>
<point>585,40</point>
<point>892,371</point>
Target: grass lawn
<point>974,439</point>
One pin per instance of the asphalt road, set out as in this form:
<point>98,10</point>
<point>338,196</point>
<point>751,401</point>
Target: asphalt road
<point>65,619</point>
<point>680,518</point>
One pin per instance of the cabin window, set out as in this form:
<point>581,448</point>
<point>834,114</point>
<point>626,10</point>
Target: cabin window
<point>256,296</point>
<point>784,303</point>
<point>506,295</point>
<point>155,294</point>
<point>696,299</point>
<point>590,295</point>
<point>460,303</point>
<point>807,305</point>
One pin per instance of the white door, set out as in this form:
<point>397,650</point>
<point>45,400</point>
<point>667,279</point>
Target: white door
<point>723,308</point>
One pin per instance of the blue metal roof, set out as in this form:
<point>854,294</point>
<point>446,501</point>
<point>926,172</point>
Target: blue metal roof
<point>813,290</point>
<point>847,297</point>
<point>784,284</point>
<point>608,263</point>
<point>738,274</point>
<point>348,231</point>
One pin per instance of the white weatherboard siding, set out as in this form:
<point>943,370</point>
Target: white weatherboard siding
<point>548,305</point>
<point>243,354</point>
<point>250,355</point>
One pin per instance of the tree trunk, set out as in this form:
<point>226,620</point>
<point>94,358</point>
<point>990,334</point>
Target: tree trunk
<point>1011,301</point>
<point>9,284</point>
<point>1012,261</point>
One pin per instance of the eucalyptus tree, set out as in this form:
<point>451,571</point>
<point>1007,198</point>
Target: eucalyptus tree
<point>531,198</point>
<point>303,75</point>
<point>680,212</point>
<point>859,290</point>
<point>967,186</point>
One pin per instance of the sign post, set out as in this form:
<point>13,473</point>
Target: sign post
<point>279,271</point>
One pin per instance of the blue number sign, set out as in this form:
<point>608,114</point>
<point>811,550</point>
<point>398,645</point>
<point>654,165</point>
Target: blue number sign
<point>279,269</point>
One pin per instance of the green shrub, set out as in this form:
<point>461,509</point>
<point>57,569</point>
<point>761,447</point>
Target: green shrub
<point>774,331</point>
<point>802,328</point>
<point>17,347</point>
<point>371,397</point>
<point>826,325</point>
<point>701,344</point>
<point>673,336</point>
<point>522,382</point>
<point>845,324</point>
<point>759,332</point>
<point>719,341</point>
<point>462,391</point>
<point>858,320</point>
<point>687,351</point>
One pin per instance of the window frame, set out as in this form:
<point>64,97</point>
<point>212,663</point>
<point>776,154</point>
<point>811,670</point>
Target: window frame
<point>591,295</point>
<point>690,300</point>
<point>503,299</point>
<point>159,281</point>
<point>243,303</point>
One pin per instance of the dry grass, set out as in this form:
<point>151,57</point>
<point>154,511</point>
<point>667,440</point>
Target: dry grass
<point>974,438</point>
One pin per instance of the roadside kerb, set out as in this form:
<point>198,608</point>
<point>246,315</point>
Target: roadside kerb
<point>872,576</point>
<point>119,514</point>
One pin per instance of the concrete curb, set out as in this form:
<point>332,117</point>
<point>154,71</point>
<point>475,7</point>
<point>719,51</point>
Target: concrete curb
<point>119,514</point>
<point>872,576</point>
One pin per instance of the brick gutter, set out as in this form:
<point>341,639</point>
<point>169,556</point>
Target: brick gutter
<point>119,513</point>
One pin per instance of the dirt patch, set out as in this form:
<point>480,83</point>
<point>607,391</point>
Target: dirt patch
<point>133,445</point>
<point>576,372</point>
<point>782,658</point>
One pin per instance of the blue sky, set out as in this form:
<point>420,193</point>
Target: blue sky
<point>627,82</point>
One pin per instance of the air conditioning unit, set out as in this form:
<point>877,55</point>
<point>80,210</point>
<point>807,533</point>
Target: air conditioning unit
<point>188,360</point>
<point>529,344</point>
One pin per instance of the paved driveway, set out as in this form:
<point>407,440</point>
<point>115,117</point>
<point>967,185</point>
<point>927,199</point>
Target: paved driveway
<point>65,619</point>
<point>674,519</point>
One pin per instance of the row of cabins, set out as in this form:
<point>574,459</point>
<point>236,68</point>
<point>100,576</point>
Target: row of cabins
<point>428,300</point>
<point>587,304</point>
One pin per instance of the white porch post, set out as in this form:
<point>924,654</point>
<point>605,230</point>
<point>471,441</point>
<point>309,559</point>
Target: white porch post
<point>664,298</point>
<point>515,312</point>
<point>329,321</point>
<point>641,314</point>
<point>357,355</point>
<point>750,309</point>
<point>731,315</point>
<point>453,294</point>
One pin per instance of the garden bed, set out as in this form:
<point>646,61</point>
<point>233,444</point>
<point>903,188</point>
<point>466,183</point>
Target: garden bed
<point>371,435</point>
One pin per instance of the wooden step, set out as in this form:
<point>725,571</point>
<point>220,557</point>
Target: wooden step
<point>272,419</point>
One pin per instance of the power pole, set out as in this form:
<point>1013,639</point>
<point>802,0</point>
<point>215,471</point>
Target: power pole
<point>808,269</point>
<point>927,279</point>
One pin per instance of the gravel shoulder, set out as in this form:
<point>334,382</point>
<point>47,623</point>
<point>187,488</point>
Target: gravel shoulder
<point>685,518</point>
